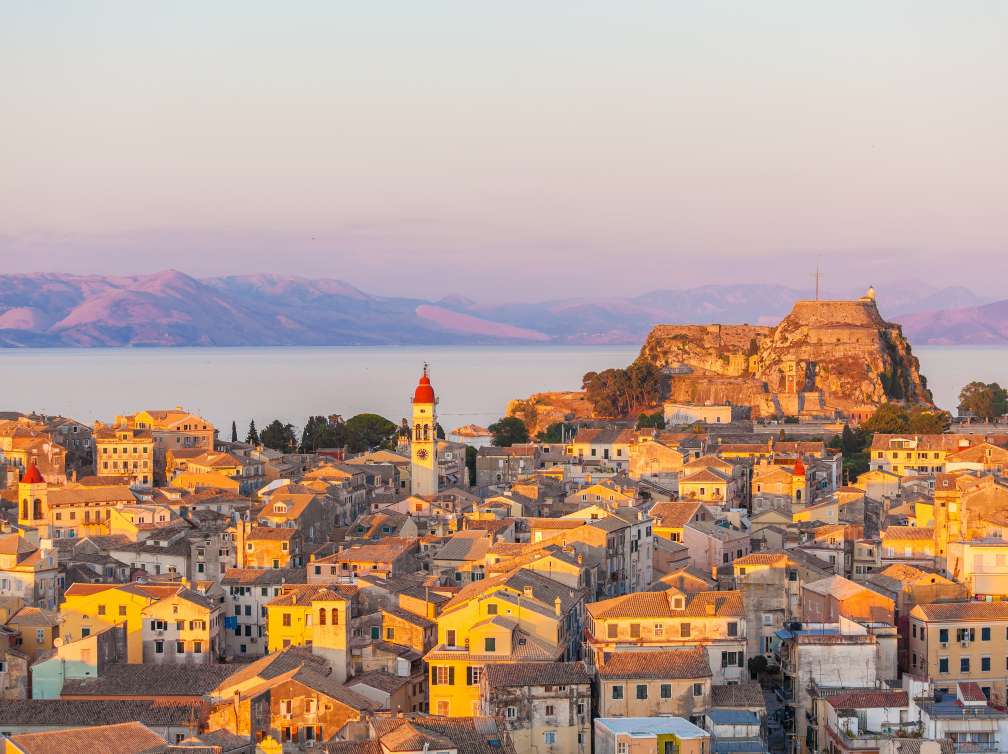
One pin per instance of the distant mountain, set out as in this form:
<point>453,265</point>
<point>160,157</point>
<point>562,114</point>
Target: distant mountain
<point>171,308</point>
<point>976,325</point>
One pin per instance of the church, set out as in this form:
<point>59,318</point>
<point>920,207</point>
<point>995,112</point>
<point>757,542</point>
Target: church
<point>423,439</point>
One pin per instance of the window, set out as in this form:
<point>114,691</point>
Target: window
<point>621,747</point>
<point>321,616</point>
<point>684,630</point>
<point>642,691</point>
<point>375,632</point>
<point>943,635</point>
<point>334,616</point>
<point>490,644</point>
<point>985,664</point>
<point>450,637</point>
<point>197,647</point>
<point>180,647</point>
<point>389,633</point>
<point>985,633</point>
<point>286,619</point>
<point>732,628</point>
<point>612,630</point>
<point>159,647</point>
<point>617,692</point>
<point>473,675</point>
<point>442,675</point>
<point>101,609</point>
<point>550,710</point>
<point>666,691</point>
<point>659,629</point>
<point>511,712</point>
<point>549,737</point>
<point>697,689</point>
<point>635,630</point>
<point>442,708</point>
<point>943,664</point>
<point>492,608</point>
<point>122,610</point>
<point>964,664</point>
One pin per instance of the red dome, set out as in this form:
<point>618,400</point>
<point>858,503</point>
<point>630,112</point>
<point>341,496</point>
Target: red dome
<point>32,476</point>
<point>424,392</point>
<point>799,468</point>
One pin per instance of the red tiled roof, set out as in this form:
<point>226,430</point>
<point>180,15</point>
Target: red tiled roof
<point>952,611</point>
<point>661,604</point>
<point>32,475</point>
<point>863,699</point>
<point>670,664</point>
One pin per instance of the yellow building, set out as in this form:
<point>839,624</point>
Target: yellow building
<point>314,616</point>
<point>707,485</point>
<point>71,511</point>
<point>518,617</point>
<point>183,628</point>
<point>907,455</point>
<point>89,608</point>
<point>36,630</point>
<point>981,565</point>
<point>172,429</point>
<point>606,494</point>
<point>908,544</point>
<point>783,481</point>
<point>124,451</point>
<point>670,518</point>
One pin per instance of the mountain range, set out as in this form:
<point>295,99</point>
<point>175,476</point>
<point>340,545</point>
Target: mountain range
<point>171,308</point>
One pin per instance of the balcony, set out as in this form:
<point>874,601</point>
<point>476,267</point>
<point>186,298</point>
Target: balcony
<point>970,746</point>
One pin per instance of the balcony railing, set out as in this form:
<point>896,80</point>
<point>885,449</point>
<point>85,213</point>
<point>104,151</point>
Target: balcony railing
<point>970,746</point>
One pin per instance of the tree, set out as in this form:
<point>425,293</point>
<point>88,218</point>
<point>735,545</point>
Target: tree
<point>508,431</point>
<point>984,400</point>
<point>757,664</point>
<point>321,432</point>
<point>278,436</point>
<point>556,432</point>
<point>471,454</point>
<point>439,431</point>
<point>234,432</point>
<point>619,392</point>
<point>369,432</point>
<point>926,421</point>
<point>252,438</point>
<point>655,420</point>
<point>888,419</point>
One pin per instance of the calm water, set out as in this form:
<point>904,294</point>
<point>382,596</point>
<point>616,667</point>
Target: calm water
<point>224,384</point>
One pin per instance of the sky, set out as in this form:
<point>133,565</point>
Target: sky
<point>508,151</point>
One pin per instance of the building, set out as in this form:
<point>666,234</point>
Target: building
<point>521,616</point>
<point>504,466</point>
<point>650,621</point>
<point>172,429</point>
<point>829,599</point>
<point>655,683</point>
<point>424,441</point>
<point>908,455</point>
<point>246,593</point>
<point>981,565</point>
<point>315,616</point>
<point>691,413</point>
<point>957,642</point>
<point>545,706</point>
<point>28,572</point>
<point>183,628</point>
<point>648,735</point>
<point>125,451</point>
<point>713,544</point>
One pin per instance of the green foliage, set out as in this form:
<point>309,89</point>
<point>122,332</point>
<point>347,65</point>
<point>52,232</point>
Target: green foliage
<point>508,431</point>
<point>252,438</point>
<point>619,392</point>
<point>984,400</point>
<point>471,452</point>
<point>757,664</point>
<point>370,432</point>
<point>278,436</point>
<point>655,420</point>
<point>556,431</point>
<point>439,431</point>
<point>234,432</point>
<point>926,421</point>
<point>893,418</point>
<point>320,432</point>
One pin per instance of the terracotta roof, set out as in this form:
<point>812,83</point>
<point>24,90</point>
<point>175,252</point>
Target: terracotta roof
<point>271,666</point>
<point>68,712</point>
<point>304,594</point>
<point>748,694</point>
<point>123,738</point>
<point>379,679</point>
<point>671,664</point>
<point>873,698</point>
<point>259,576</point>
<point>139,680</point>
<point>972,610</point>
<point>970,692</point>
<point>469,735</point>
<point>761,558</point>
<point>673,515</point>
<point>536,674</point>
<point>661,604</point>
<point>908,532</point>
<point>424,393</point>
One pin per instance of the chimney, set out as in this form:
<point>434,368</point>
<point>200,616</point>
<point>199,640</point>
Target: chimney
<point>556,606</point>
<point>528,590</point>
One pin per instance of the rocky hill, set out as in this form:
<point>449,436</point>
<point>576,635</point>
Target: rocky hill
<point>823,358</point>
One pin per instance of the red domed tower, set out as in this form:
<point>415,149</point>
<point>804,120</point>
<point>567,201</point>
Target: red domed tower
<point>32,498</point>
<point>423,439</point>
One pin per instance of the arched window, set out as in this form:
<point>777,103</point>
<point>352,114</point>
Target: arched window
<point>418,430</point>
<point>37,509</point>
<point>798,495</point>
<point>335,617</point>
<point>321,616</point>
<point>24,509</point>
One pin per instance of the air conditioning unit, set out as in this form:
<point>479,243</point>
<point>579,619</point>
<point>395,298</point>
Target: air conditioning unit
<point>944,645</point>
<point>964,644</point>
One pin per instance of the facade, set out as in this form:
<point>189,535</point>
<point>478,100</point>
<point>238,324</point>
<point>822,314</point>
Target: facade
<point>125,451</point>
<point>956,642</point>
<point>184,628</point>
<point>690,413</point>
<point>315,616</point>
<point>648,735</point>
<point>545,706</point>
<point>655,684</point>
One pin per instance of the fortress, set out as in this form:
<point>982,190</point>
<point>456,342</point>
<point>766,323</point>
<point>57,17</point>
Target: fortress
<point>823,359</point>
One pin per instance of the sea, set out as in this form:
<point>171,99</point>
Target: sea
<point>473,383</point>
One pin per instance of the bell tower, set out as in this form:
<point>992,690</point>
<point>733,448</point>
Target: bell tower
<point>32,498</point>
<point>423,439</point>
